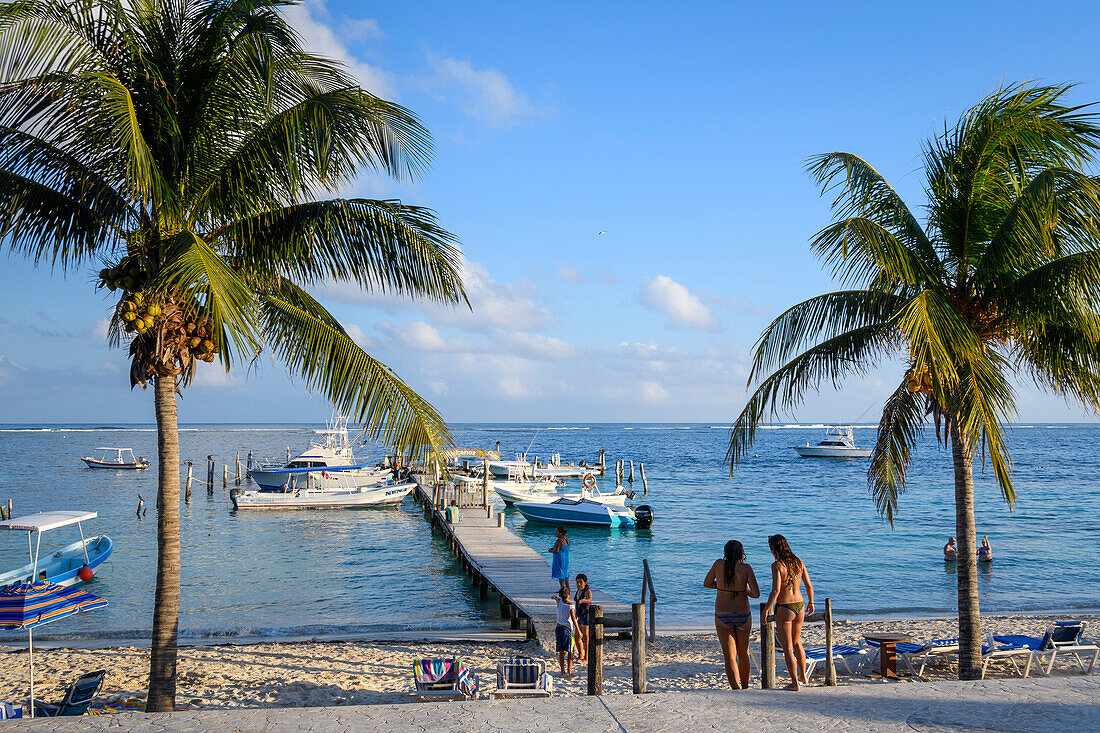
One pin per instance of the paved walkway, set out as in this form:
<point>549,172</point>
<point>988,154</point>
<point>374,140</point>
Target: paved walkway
<point>1052,704</point>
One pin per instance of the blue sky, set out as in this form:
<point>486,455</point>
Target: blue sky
<point>679,130</point>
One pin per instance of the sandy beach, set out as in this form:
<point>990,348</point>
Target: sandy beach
<point>304,674</point>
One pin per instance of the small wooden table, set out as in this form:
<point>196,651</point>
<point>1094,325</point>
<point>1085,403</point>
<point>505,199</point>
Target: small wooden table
<point>887,652</point>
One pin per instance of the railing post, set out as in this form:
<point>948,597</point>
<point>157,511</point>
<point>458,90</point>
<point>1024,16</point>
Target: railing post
<point>830,668</point>
<point>595,650</point>
<point>767,650</point>
<point>637,647</point>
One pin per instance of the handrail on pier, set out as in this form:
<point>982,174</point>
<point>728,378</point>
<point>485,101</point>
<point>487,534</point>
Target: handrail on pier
<point>647,585</point>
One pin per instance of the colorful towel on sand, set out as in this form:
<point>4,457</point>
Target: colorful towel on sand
<point>434,671</point>
<point>133,705</point>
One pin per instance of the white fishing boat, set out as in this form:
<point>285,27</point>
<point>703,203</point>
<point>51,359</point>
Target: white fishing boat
<point>839,442</point>
<point>334,453</point>
<point>329,488</point>
<point>618,498</point>
<point>117,458</point>
<point>504,469</point>
<point>587,512</point>
<point>72,564</point>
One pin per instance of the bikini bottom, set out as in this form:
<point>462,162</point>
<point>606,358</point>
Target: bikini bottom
<point>733,620</point>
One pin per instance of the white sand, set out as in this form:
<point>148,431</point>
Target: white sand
<point>343,672</point>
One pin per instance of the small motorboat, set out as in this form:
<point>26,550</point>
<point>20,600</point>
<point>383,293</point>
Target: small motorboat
<point>839,442</point>
<point>329,488</point>
<point>72,564</point>
<point>587,512</point>
<point>618,498</point>
<point>118,458</point>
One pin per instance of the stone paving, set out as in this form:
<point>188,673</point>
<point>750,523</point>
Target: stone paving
<point>1052,704</point>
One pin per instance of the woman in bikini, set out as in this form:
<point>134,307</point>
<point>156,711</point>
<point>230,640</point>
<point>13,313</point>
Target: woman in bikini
<point>735,582</point>
<point>788,575</point>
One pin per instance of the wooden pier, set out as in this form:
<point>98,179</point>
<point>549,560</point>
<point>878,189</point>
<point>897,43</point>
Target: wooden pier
<point>497,560</point>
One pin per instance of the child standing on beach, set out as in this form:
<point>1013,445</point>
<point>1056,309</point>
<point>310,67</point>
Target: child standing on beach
<point>559,566</point>
<point>788,575</point>
<point>583,599</point>
<point>563,632</point>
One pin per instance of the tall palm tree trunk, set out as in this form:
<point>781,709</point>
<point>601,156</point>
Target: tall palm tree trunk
<point>970,629</point>
<point>166,611</point>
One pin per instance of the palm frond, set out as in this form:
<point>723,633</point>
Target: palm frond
<point>818,318</point>
<point>328,361</point>
<point>899,428</point>
<point>858,250</point>
<point>383,245</point>
<point>851,352</point>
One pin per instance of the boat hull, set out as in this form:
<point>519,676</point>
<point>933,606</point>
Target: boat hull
<point>137,466</point>
<point>62,566</point>
<point>586,513</point>
<point>275,479</point>
<point>532,498</point>
<point>813,451</point>
<point>321,499</point>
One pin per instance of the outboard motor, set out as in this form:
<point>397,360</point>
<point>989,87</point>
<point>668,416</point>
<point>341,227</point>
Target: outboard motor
<point>643,516</point>
<point>233,494</point>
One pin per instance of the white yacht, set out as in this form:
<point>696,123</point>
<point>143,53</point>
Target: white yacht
<point>341,489</point>
<point>839,442</point>
<point>334,453</point>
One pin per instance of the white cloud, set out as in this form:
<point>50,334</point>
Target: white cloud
<point>356,334</point>
<point>98,332</point>
<point>513,388</point>
<point>212,375</point>
<point>311,19</point>
<point>484,94</point>
<point>494,304</point>
<point>653,392</point>
<point>439,387</point>
<point>536,345</point>
<point>418,336</point>
<point>684,309</point>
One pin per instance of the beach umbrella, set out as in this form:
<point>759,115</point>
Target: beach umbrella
<point>30,605</point>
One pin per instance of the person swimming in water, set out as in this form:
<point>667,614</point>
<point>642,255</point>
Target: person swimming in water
<point>735,582</point>
<point>950,551</point>
<point>985,552</point>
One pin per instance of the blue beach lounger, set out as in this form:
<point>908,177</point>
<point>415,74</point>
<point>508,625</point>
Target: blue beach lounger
<point>1061,636</point>
<point>993,650</point>
<point>522,677</point>
<point>77,698</point>
<point>911,652</point>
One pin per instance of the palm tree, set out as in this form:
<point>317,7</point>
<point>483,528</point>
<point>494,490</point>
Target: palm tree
<point>1002,279</point>
<point>182,146</point>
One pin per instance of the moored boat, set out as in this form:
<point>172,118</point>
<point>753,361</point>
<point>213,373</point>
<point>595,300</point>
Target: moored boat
<point>330,488</point>
<point>117,458</point>
<point>839,442</point>
<point>587,512</point>
<point>72,564</point>
<point>333,456</point>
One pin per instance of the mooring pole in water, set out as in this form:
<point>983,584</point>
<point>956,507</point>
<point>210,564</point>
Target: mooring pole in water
<point>210,474</point>
<point>187,492</point>
<point>225,476</point>
<point>645,484</point>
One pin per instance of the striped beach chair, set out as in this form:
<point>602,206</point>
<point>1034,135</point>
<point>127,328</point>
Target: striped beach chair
<point>443,679</point>
<point>522,677</point>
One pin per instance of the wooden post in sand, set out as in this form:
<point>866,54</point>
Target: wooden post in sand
<point>187,491</point>
<point>767,650</point>
<point>830,668</point>
<point>637,646</point>
<point>595,650</point>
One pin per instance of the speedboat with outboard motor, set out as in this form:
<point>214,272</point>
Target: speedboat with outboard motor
<point>117,458</point>
<point>587,512</point>
<point>72,564</point>
<point>839,442</point>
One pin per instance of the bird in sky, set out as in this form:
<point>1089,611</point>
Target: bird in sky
<point>600,234</point>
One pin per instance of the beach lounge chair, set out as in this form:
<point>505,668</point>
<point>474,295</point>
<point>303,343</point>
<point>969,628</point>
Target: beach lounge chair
<point>443,679</point>
<point>522,677</point>
<point>993,650</point>
<point>77,698</point>
<point>842,654</point>
<point>1061,637</point>
<point>910,653</point>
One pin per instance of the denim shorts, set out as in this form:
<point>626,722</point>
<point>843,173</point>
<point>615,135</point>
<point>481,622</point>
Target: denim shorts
<point>563,635</point>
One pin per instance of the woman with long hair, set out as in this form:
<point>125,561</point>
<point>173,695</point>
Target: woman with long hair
<point>788,576</point>
<point>735,582</point>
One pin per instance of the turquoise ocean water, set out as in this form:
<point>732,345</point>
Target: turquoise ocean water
<point>293,573</point>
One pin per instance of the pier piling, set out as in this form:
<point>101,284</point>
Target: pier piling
<point>631,479</point>
<point>141,504</point>
<point>249,460</point>
<point>225,476</point>
<point>645,484</point>
<point>595,650</point>
<point>187,491</point>
<point>210,474</point>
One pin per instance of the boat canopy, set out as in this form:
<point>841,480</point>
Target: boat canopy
<point>318,469</point>
<point>46,520</point>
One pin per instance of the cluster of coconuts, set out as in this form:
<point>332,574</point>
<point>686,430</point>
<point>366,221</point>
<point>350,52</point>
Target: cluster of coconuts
<point>138,315</point>
<point>129,274</point>
<point>919,381</point>
<point>200,339</point>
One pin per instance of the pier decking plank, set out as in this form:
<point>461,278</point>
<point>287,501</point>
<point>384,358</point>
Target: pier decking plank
<point>516,571</point>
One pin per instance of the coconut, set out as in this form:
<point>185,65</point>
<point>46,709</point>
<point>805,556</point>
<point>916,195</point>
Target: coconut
<point>154,310</point>
<point>139,297</point>
<point>194,342</point>
<point>128,316</point>
<point>207,345</point>
<point>912,385</point>
<point>112,286</point>
<point>189,327</point>
<point>140,326</point>
<point>148,321</point>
